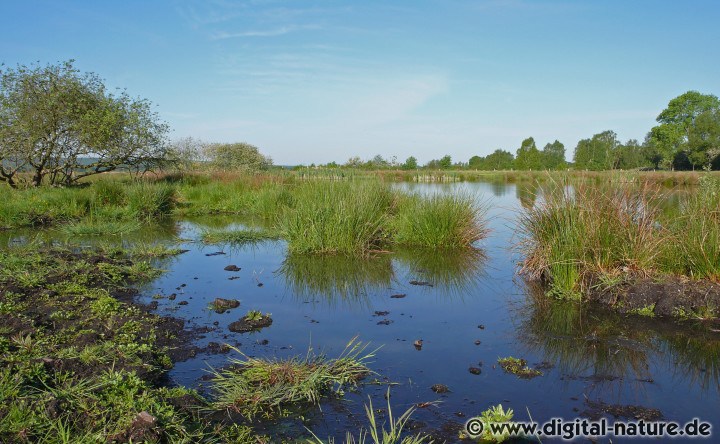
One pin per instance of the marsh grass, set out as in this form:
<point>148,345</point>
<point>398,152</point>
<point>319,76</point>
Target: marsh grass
<point>337,218</point>
<point>583,238</point>
<point>150,200</point>
<point>439,221</point>
<point>574,233</point>
<point>90,207</point>
<point>269,387</point>
<point>694,249</point>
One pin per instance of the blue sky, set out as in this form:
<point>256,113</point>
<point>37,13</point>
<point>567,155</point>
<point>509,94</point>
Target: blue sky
<point>316,81</point>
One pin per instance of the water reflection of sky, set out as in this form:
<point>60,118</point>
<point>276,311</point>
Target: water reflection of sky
<point>324,302</point>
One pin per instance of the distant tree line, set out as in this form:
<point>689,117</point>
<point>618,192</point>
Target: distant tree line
<point>687,137</point>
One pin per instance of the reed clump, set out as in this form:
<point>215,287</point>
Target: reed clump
<point>439,221</point>
<point>576,236</point>
<point>338,218</point>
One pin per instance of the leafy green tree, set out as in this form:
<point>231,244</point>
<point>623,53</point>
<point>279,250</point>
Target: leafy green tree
<point>528,156</point>
<point>410,163</point>
<point>553,156</point>
<point>676,123</point>
<point>630,156</point>
<point>500,160</point>
<point>445,162</point>
<point>704,140</point>
<point>597,153</point>
<point>237,156</point>
<point>60,125</point>
<point>477,163</point>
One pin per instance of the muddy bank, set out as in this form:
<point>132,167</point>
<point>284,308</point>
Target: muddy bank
<point>79,356</point>
<point>666,296</point>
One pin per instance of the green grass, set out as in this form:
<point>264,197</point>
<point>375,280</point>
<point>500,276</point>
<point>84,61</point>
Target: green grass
<point>574,234</point>
<point>338,218</point>
<point>315,216</point>
<point>439,221</point>
<point>694,246</point>
<point>269,387</point>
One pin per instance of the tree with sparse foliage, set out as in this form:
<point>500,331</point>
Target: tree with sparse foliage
<point>186,153</point>
<point>60,125</point>
<point>237,156</point>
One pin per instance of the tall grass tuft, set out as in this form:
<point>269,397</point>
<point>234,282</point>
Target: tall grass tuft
<point>440,221</point>
<point>256,386</point>
<point>573,234</point>
<point>695,246</point>
<point>147,200</point>
<point>337,218</point>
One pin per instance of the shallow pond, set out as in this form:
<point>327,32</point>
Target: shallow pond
<point>476,311</point>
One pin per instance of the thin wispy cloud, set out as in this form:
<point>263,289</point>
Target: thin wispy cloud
<point>223,35</point>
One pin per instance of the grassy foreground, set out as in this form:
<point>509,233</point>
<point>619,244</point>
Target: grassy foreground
<point>584,240</point>
<point>81,363</point>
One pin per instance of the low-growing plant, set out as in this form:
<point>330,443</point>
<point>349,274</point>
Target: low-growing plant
<point>518,367</point>
<point>574,234</point>
<point>256,315</point>
<point>492,416</point>
<point>268,387</point>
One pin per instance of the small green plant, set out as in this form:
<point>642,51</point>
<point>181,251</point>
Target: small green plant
<point>378,434</point>
<point>518,367</point>
<point>491,416</point>
<point>648,311</point>
<point>255,315</point>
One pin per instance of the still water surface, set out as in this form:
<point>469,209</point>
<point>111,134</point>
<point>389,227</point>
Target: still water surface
<point>586,355</point>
